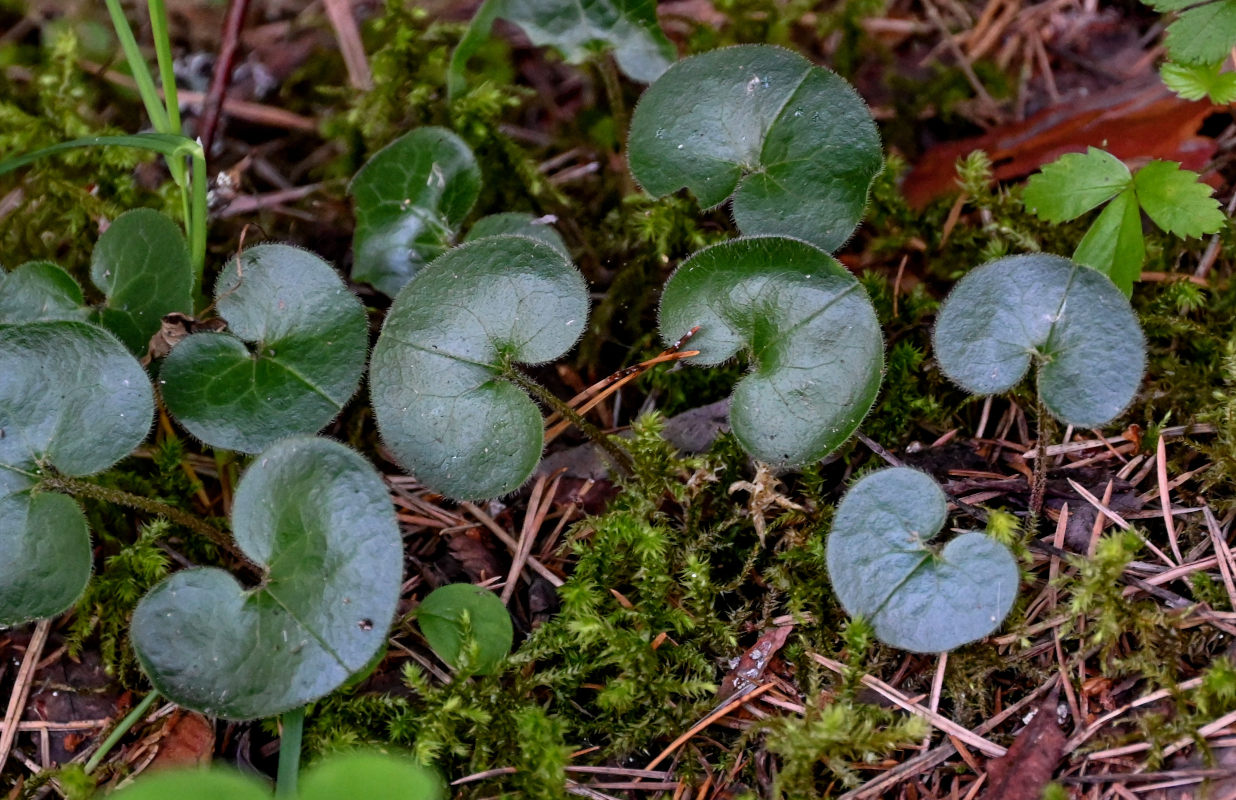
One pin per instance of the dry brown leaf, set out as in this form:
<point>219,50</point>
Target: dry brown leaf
<point>1025,770</point>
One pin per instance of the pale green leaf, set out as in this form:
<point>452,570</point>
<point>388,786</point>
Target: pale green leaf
<point>441,618</point>
<point>1198,81</point>
<point>1176,200</point>
<point>1074,184</point>
<point>1114,244</point>
<point>1203,33</point>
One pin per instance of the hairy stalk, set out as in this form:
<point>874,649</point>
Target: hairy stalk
<point>620,457</point>
<point>1039,487</point>
<point>618,108</point>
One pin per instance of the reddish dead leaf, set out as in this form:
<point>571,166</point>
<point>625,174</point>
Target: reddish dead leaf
<point>1134,122</point>
<point>475,558</point>
<point>748,670</point>
<point>188,741</point>
<point>1025,770</point>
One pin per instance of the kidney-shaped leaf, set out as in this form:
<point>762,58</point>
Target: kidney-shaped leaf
<point>917,598</point>
<point>442,405</point>
<point>441,617</point>
<point>40,291</point>
<point>808,328</point>
<point>517,222</point>
<point>73,399</point>
<point>317,518</point>
<point>794,140</point>
<point>294,354</point>
<point>141,262</point>
<point>1069,319</point>
<point>411,198</point>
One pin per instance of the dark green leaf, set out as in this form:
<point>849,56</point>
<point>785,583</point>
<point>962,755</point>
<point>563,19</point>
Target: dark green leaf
<point>917,598</point>
<point>1070,320</point>
<point>792,142</point>
<point>1177,200</point>
<point>1203,33</point>
<point>72,399</point>
<point>808,329</point>
<point>317,517</point>
<point>442,405</point>
<point>441,617</point>
<point>40,291</point>
<point>521,224</point>
<point>1074,184</point>
<point>578,29</point>
<point>1114,244</point>
<point>411,198</point>
<point>294,354</point>
<point>141,262</point>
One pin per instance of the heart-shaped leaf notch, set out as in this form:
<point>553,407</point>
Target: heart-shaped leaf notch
<point>807,327</point>
<point>411,198</point>
<point>316,516</point>
<point>441,616</point>
<point>294,354</point>
<point>917,598</point>
<point>72,400</point>
<point>1069,319</point>
<point>795,140</point>
<point>440,375</point>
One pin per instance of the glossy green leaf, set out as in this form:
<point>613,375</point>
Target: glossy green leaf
<point>805,324</point>
<point>916,597</point>
<point>453,612</point>
<point>141,262</point>
<point>519,223</point>
<point>40,291</point>
<point>1203,33</point>
<point>1074,184</point>
<point>194,784</point>
<point>74,400</point>
<point>1177,200</point>
<point>442,405</point>
<point>411,198</point>
<point>793,143</point>
<point>578,29</point>
<point>1114,244</point>
<point>1070,320</point>
<point>293,354</point>
<point>316,517</point>
<point>1197,81</point>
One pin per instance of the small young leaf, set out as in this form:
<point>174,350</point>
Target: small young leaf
<point>1202,33</point>
<point>1114,244</point>
<point>411,198</point>
<point>515,222</point>
<point>1069,319</point>
<point>1197,81</point>
<point>40,291</point>
<point>316,516</point>
<point>1075,183</point>
<point>441,618</point>
<point>194,784</point>
<point>441,403</point>
<point>73,399</point>
<point>808,329</point>
<point>371,775</point>
<point>294,354</point>
<point>917,599</point>
<point>792,142</point>
<point>1176,200</point>
<point>141,262</point>
<point>577,30</point>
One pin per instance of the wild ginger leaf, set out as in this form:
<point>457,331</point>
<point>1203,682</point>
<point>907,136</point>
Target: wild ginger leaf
<point>807,327</point>
<point>1069,320</point>
<point>517,222</point>
<point>40,291</point>
<point>1114,244</point>
<point>792,142</point>
<point>882,567</point>
<point>292,356</point>
<point>316,516</point>
<point>1177,200</point>
<point>1074,184</point>
<point>1197,81</point>
<point>436,380</point>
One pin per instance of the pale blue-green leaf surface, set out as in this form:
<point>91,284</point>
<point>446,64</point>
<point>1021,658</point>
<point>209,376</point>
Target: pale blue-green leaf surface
<point>40,291</point>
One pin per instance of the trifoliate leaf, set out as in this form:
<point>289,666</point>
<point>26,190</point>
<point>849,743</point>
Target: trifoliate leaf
<point>1176,200</point>
<point>1114,244</point>
<point>1203,33</point>
<point>1195,81</point>
<point>1074,184</point>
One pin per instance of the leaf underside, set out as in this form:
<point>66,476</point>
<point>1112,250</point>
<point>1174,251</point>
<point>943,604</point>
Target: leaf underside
<point>882,568</point>
<point>316,516</point>
<point>805,324</point>
<point>1069,319</point>
<point>793,143</point>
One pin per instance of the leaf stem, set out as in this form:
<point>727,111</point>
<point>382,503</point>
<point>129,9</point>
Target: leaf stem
<point>126,724</point>
<point>289,752</point>
<point>621,458</point>
<point>1038,489</point>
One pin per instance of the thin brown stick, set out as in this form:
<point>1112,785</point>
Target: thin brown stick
<point>233,21</point>
<point>340,14</point>
<point>510,542</point>
<point>538,506</point>
<point>21,688</point>
<point>740,699</point>
<point>1165,499</point>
